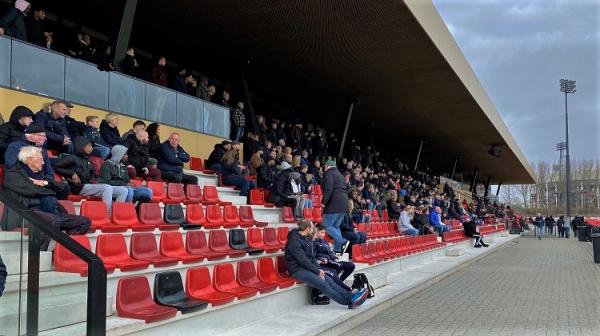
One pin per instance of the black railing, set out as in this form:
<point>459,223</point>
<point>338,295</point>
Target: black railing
<point>96,297</point>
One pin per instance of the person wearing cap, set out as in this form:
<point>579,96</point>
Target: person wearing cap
<point>55,126</point>
<point>215,157</point>
<point>20,118</point>
<point>34,136</point>
<point>335,205</point>
<point>231,172</point>
<point>282,188</point>
<point>171,160</point>
<point>80,174</point>
<point>114,172</point>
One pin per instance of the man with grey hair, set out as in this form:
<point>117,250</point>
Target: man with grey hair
<point>171,160</point>
<point>27,182</point>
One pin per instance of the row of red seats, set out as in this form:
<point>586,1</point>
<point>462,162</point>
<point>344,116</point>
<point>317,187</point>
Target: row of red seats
<point>487,229</point>
<point>112,249</point>
<point>188,194</point>
<point>375,218</point>
<point>134,300</point>
<point>454,236</point>
<point>383,250</point>
<point>379,230</point>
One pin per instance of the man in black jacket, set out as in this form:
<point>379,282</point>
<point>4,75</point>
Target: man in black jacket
<point>216,156</point>
<point>141,164</point>
<point>302,265</point>
<point>27,182</point>
<point>266,174</point>
<point>56,127</point>
<point>20,118</point>
<point>335,203</point>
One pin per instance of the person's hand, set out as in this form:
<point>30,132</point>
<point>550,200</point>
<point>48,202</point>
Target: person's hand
<point>75,178</point>
<point>1,31</point>
<point>321,274</point>
<point>39,183</point>
<point>67,140</point>
<point>242,166</point>
<point>145,170</point>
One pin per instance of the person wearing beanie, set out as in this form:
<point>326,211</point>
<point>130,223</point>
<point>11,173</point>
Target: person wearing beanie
<point>335,205</point>
<point>20,118</point>
<point>80,174</point>
<point>114,172</point>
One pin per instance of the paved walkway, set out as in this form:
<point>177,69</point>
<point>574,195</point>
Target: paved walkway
<point>530,287</point>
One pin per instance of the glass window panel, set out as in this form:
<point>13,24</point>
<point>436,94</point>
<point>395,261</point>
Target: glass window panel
<point>126,95</point>
<point>161,105</point>
<point>190,113</point>
<point>37,70</point>
<point>85,84</point>
<point>4,61</point>
<point>216,120</point>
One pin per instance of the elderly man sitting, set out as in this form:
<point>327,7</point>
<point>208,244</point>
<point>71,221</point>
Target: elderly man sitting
<point>27,182</point>
<point>435,219</point>
<point>171,160</point>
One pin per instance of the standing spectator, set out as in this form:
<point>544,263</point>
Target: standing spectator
<point>138,125</point>
<point>30,185</point>
<point>92,132</point>
<point>56,128</point>
<point>82,48</point>
<point>231,171</point>
<point>80,174</point>
<point>302,265</point>
<point>104,59</point>
<point>239,122</point>
<point>129,65</point>
<point>202,89</point>
<point>141,164</point>
<point>212,90</point>
<point>37,32</point>
<point>225,99</point>
<point>335,202</point>
<point>109,129</point>
<point>404,224</point>
<point>184,82</point>
<point>171,160</point>
<point>262,128</point>
<point>272,132</point>
<point>154,140</point>
<point>20,118</point>
<point>114,172</point>
<point>159,72</point>
<point>13,22</point>
<point>539,225</point>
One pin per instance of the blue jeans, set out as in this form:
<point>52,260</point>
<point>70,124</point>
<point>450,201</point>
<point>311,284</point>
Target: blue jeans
<point>308,203</point>
<point>101,151</point>
<point>327,286</point>
<point>441,229</point>
<point>238,132</point>
<point>136,194</point>
<point>239,181</point>
<point>411,232</point>
<point>538,231</point>
<point>332,222</point>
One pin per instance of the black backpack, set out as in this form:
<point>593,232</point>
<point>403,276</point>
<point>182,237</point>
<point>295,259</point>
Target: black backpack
<point>361,281</point>
<point>317,297</point>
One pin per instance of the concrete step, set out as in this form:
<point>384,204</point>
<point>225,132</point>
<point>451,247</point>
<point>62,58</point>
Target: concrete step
<point>10,242</point>
<point>203,179</point>
<point>11,260</point>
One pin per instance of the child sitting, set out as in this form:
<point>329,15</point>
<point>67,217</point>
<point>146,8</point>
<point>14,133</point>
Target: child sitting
<point>330,264</point>
<point>92,132</point>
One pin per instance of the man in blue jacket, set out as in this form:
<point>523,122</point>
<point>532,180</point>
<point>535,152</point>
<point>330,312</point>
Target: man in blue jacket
<point>302,265</point>
<point>435,219</point>
<point>171,160</point>
<point>56,127</point>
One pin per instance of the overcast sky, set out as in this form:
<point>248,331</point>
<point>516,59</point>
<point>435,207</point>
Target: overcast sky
<point>520,50</point>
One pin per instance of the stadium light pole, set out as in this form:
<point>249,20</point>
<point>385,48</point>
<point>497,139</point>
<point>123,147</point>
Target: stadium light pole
<point>566,87</point>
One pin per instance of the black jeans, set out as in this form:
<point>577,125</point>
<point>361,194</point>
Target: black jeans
<point>179,177</point>
<point>72,224</point>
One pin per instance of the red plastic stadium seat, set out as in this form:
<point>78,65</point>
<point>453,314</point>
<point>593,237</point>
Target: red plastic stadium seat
<point>230,216</point>
<point>359,255</point>
<point>175,193</point>
<point>266,196</point>
<point>171,245</point>
<point>198,285</point>
<point>195,243</point>
<point>151,215</point>
<point>316,200</point>
<point>256,197</point>
<point>193,193</point>
<point>271,239</point>
<point>124,214</point>
<point>214,217</point>
<point>218,242</point>
<point>158,191</point>
<point>143,247</point>
<point>288,215</point>
<point>96,162</point>
<point>224,281</point>
<point>316,189</point>
<point>68,205</point>
<point>211,196</point>
<point>307,213</point>
<point>197,164</point>
<point>246,276</point>
<point>96,211</point>
<point>111,248</point>
<point>135,301</point>
<point>282,233</point>
<point>282,268</point>
<point>268,274</point>
<point>247,217</point>
<point>255,241</point>
<point>74,198</point>
<point>317,215</point>
<point>65,261</point>
<point>136,182</point>
<point>194,214</point>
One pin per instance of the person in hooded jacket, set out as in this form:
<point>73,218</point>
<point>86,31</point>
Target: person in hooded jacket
<point>20,118</point>
<point>13,22</point>
<point>114,172</point>
<point>80,174</point>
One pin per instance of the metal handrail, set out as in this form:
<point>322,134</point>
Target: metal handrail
<point>96,297</point>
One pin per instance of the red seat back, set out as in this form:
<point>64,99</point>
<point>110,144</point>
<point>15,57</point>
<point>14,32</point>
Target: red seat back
<point>123,213</point>
<point>158,190</point>
<point>307,212</point>
<point>150,214</point>
<point>96,211</point>
<point>96,162</point>
<point>196,164</point>
<point>171,243</point>
<point>317,214</point>
<point>217,240</point>
<point>193,193</point>
<point>270,236</point>
<point>230,214</point>
<point>214,214</point>
<point>256,197</point>
<point>282,233</point>
<point>68,205</point>
<point>66,261</point>
<point>224,277</point>
<point>194,214</point>
<point>246,214</point>
<point>316,189</point>
<point>282,268</point>
<point>288,215</point>
<point>195,241</point>
<point>254,237</point>
<point>175,192</point>
<point>211,194</point>
<point>111,246</point>
<point>143,246</point>
<point>134,300</point>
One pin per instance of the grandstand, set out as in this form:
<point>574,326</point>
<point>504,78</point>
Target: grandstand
<point>205,260</point>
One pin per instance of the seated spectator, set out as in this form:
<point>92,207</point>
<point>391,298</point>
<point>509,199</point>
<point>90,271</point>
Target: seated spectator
<point>349,233</point>
<point>109,129</point>
<point>185,82</point>
<point>56,128</point>
<point>75,128</point>
<point>470,228</point>
<point>114,172</point>
<point>202,89</point>
<point>80,174</point>
<point>129,65</point>
<point>337,269</point>
<point>171,160</point>
<point>232,173</point>
<point>393,207</point>
<point>253,144</point>
<point>255,162</point>
<point>34,136</point>
<point>92,132</point>
<point>159,72</point>
<point>27,182</point>
<point>357,210</point>
<point>141,164</point>
<point>216,156</point>
<point>266,174</point>
<point>13,22</point>
<point>238,123</point>
<point>104,59</point>
<point>282,188</point>
<point>82,48</point>
<point>303,266</point>
<point>138,125</point>
<point>298,194</point>
<point>20,118</point>
<point>404,224</point>
<point>421,220</point>
<point>435,219</point>
<point>154,140</point>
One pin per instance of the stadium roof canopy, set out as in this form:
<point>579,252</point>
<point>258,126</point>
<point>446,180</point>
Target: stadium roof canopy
<point>397,57</point>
